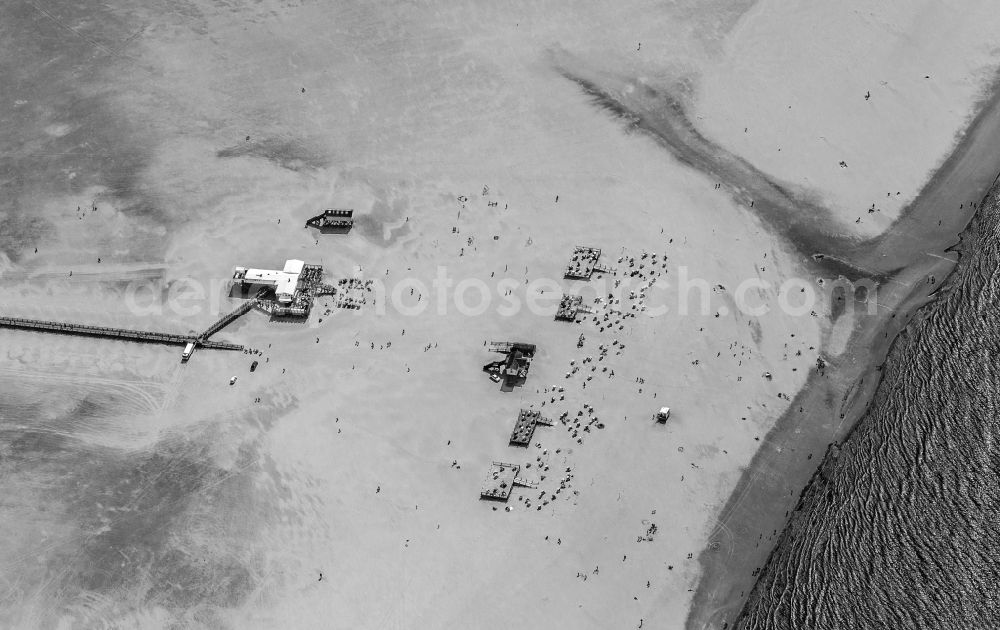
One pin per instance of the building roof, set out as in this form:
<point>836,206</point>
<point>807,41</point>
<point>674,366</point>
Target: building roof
<point>286,285</point>
<point>284,281</point>
<point>261,276</point>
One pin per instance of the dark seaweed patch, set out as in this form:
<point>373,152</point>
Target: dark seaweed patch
<point>293,155</point>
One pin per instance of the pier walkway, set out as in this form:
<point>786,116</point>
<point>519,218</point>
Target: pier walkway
<point>114,333</point>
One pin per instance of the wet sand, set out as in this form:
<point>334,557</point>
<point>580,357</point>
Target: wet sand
<point>166,496</point>
<point>163,495</point>
<point>837,397</point>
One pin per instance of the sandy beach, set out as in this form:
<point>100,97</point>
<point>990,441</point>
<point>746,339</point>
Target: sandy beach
<point>149,149</point>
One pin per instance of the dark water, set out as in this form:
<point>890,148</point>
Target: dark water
<point>899,527</point>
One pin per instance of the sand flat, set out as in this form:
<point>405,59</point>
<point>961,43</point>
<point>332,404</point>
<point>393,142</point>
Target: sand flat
<point>165,495</point>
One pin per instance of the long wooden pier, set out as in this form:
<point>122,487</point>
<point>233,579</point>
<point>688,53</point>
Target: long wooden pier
<point>124,334</point>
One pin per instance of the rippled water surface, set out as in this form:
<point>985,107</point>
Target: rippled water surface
<point>899,527</point>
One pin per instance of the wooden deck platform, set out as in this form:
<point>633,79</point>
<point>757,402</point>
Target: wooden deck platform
<point>333,219</point>
<point>583,264</point>
<point>569,308</point>
<point>499,481</point>
<point>524,428</point>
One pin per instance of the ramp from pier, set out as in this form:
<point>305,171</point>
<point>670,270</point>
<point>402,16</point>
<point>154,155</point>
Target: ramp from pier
<point>227,319</point>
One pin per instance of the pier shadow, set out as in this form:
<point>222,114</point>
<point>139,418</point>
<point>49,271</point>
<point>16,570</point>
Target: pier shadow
<point>288,319</point>
<point>248,292</point>
<point>331,230</point>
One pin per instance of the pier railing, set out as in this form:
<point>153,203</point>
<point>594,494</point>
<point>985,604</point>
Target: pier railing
<point>124,334</point>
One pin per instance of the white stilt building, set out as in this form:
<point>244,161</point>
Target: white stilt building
<point>284,281</point>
